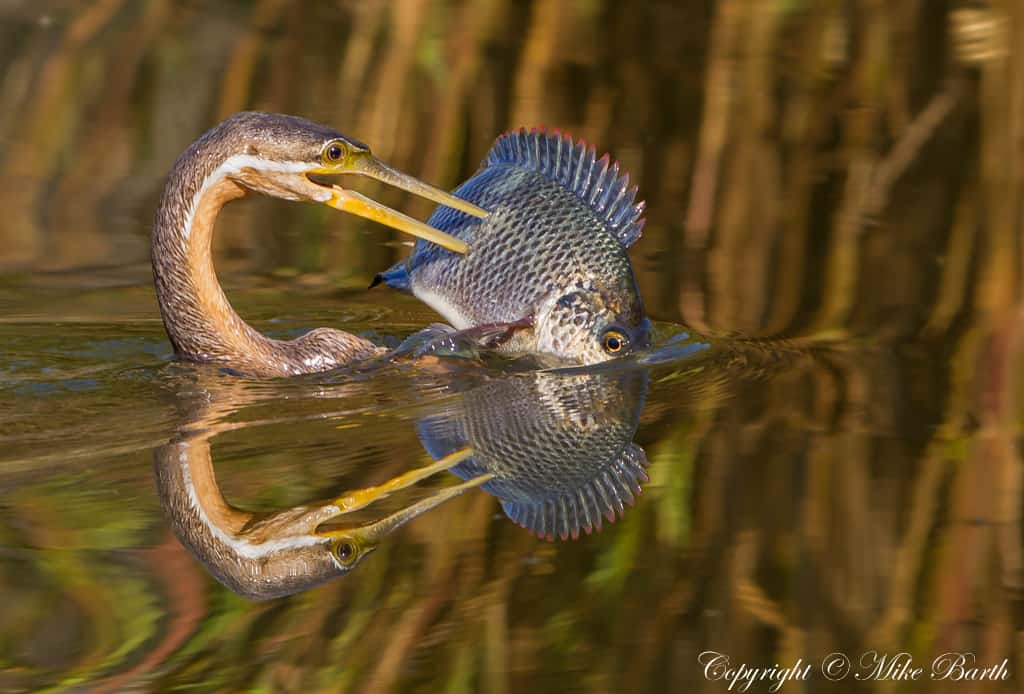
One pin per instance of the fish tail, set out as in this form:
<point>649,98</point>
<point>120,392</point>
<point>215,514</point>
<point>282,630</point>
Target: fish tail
<point>396,277</point>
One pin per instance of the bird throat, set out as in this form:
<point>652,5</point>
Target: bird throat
<point>199,319</point>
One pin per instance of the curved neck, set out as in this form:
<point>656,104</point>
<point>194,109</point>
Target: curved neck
<point>258,559</point>
<point>200,321</point>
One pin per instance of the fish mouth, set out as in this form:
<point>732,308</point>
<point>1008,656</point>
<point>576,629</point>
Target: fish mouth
<point>340,198</point>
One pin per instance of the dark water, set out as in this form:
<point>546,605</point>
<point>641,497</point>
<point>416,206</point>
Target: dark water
<point>834,210</point>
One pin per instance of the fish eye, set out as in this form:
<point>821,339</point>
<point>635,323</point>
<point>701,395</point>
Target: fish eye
<point>346,551</point>
<point>613,341</point>
<point>334,152</point>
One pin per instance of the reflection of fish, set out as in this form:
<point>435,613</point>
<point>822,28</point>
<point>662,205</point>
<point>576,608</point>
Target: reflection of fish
<point>549,262</point>
<point>560,446</point>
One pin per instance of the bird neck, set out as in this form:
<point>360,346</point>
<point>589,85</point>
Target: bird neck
<point>259,563</point>
<point>200,321</point>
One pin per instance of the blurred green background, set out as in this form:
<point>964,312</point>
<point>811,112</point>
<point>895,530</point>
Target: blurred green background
<point>834,198</point>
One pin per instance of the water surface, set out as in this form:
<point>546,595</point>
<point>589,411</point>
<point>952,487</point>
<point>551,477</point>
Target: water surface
<point>832,210</point>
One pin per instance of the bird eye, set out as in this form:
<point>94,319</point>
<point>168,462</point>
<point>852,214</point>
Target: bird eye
<point>334,152</point>
<point>613,342</point>
<point>346,552</point>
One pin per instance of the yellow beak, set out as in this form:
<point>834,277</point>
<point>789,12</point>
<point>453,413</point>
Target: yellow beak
<point>367,165</point>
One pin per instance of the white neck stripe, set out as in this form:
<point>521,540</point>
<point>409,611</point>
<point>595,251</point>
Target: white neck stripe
<point>233,165</point>
<point>242,548</point>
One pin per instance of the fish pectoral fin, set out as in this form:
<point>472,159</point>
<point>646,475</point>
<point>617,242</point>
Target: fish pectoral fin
<point>440,340</point>
<point>493,335</point>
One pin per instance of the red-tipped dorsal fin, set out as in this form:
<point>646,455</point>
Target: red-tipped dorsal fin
<point>573,164</point>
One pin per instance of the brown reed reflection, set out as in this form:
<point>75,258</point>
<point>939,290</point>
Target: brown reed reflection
<point>841,182</point>
<point>791,149</point>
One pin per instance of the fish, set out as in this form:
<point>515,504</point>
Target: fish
<point>547,272</point>
<point>559,445</point>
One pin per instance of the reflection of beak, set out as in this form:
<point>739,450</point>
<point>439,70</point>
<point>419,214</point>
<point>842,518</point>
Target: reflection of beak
<point>365,164</point>
<point>374,532</point>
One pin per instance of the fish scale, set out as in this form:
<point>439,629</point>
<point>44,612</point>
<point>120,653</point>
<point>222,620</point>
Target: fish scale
<point>550,256</point>
<point>560,447</point>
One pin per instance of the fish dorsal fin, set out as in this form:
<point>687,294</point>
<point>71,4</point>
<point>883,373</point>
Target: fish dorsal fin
<point>569,512</point>
<point>565,507</point>
<point>575,166</point>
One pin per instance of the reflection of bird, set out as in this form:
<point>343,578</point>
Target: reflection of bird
<point>279,156</point>
<point>262,556</point>
<point>559,445</point>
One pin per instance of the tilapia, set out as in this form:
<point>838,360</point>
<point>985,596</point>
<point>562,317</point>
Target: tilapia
<point>560,446</point>
<point>547,271</point>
